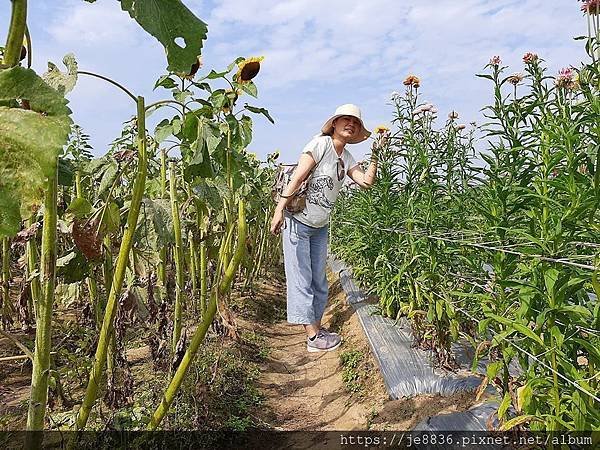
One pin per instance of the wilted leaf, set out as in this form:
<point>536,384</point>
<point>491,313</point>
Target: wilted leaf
<point>26,235</point>
<point>87,238</point>
<point>61,81</point>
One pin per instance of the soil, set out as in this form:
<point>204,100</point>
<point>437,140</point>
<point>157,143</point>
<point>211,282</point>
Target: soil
<point>306,391</point>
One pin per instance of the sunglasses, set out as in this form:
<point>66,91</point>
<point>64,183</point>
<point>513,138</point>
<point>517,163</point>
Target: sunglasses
<point>341,169</point>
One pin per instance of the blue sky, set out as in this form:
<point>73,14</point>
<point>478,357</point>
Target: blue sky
<point>318,55</point>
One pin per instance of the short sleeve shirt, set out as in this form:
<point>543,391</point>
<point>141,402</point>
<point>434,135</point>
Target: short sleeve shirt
<point>324,185</point>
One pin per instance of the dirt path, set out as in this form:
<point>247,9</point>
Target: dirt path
<point>306,391</point>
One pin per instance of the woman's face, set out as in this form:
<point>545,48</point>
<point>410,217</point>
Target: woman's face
<point>346,127</point>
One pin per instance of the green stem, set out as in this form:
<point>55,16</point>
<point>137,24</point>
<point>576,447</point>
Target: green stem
<point>162,273</point>
<point>5,303</point>
<point>41,360</point>
<point>92,286</point>
<point>203,264</point>
<point>200,332</point>
<point>119,275</point>
<point>193,267</point>
<point>16,32</point>
<point>178,255</point>
<point>120,86</point>
<point>78,192</point>
<point>163,173</point>
<point>31,250</point>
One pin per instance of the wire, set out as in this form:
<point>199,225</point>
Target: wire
<point>482,287</point>
<point>563,261</point>
<point>535,358</point>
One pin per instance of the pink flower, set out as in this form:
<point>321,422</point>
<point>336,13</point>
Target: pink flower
<point>495,61</point>
<point>565,78</point>
<point>462,126</point>
<point>453,115</point>
<point>530,58</point>
<point>591,7</point>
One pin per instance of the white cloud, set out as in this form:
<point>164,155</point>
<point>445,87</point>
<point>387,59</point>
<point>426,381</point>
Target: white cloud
<point>318,54</point>
<point>98,24</point>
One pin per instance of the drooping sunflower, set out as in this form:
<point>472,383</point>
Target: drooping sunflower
<point>248,69</point>
<point>193,69</point>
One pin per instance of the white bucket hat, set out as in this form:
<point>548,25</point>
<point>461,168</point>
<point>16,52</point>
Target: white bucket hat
<point>347,110</point>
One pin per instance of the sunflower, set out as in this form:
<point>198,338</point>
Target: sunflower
<point>193,69</point>
<point>248,69</point>
<point>381,129</point>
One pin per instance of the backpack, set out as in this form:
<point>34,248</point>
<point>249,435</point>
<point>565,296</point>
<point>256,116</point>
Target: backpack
<point>283,175</point>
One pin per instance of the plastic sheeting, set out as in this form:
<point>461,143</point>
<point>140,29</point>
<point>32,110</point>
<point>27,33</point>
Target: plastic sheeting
<point>406,371</point>
<point>474,419</point>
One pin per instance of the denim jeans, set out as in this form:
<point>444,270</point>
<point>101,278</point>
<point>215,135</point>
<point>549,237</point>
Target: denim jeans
<point>305,256</point>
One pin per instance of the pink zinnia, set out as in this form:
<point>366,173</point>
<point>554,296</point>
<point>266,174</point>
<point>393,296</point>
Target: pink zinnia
<point>529,58</point>
<point>495,61</point>
<point>591,7</point>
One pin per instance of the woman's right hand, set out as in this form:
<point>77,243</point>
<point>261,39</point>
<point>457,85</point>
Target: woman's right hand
<point>277,222</point>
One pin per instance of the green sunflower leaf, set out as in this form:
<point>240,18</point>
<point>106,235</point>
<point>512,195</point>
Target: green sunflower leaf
<point>31,138</point>
<point>169,21</point>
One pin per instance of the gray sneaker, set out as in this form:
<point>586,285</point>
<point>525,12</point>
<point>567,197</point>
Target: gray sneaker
<point>324,342</point>
<point>326,331</point>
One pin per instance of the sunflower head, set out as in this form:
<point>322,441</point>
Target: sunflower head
<point>248,69</point>
<point>193,69</point>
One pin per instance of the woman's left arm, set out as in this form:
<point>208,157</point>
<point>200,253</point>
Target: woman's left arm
<point>362,178</point>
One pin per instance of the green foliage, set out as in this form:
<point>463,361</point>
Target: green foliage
<point>352,370</point>
<point>34,126</point>
<point>168,21</point>
<point>502,255</point>
<point>220,392</point>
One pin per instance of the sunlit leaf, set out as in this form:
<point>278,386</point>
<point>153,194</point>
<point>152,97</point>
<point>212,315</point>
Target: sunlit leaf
<point>179,31</point>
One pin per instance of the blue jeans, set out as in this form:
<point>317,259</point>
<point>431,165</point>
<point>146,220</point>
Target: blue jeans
<point>305,255</point>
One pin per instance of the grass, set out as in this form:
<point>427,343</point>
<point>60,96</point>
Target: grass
<point>353,370</point>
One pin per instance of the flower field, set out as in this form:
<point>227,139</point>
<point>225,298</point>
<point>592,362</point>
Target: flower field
<point>480,234</point>
<point>494,241</point>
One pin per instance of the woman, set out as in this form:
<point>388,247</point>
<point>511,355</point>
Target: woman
<point>305,233</point>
